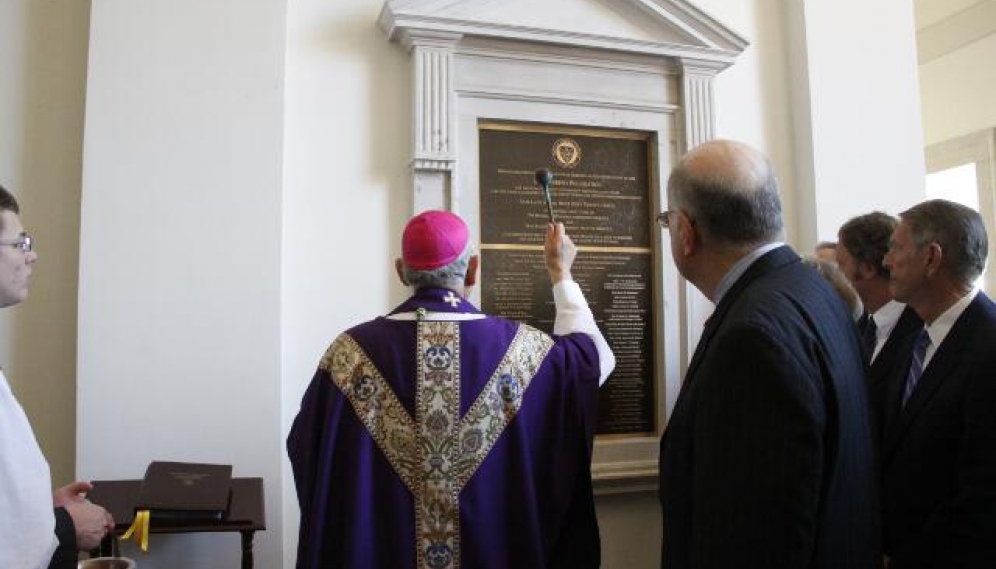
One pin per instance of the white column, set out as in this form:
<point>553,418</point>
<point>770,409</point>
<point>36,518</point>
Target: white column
<point>856,111</point>
<point>179,345</point>
<point>434,144</point>
<point>699,105</point>
<point>698,100</point>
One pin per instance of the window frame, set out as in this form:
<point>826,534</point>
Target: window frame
<point>979,148</point>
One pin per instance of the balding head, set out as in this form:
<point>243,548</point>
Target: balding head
<point>729,190</point>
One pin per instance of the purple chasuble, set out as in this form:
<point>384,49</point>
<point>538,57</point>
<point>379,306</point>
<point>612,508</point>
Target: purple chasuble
<point>393,470</point>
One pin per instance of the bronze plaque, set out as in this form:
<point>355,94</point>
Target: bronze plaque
<point>601,192</point>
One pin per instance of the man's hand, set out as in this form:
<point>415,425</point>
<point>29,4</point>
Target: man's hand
<point>560,253</point>
<point>92,523</point>
<point>74,492</point>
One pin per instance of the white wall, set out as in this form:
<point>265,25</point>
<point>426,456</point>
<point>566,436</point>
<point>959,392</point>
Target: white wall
<point>959,92</point>
<point>753,105</point>
<point>43,50</point>
<point>752,97</point>
<point>862,121</point>
<point>179,313</point>
<point>346,189</point>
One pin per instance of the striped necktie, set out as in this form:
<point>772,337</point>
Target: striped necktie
<point>916,365</point>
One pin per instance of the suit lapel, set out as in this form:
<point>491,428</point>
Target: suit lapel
<point>893,362</point>
<point>763,265</point>
<point>907,326</point>
<point>945,360</point>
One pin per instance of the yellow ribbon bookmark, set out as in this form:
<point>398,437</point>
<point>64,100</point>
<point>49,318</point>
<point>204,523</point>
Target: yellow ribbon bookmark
<point>141,529</point>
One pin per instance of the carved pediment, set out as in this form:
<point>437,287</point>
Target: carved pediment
<point>672,28</point>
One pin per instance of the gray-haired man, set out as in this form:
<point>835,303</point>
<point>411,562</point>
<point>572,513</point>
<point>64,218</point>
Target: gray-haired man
<point>939,444</point>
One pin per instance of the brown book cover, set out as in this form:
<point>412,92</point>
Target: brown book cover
<point>184,490</point>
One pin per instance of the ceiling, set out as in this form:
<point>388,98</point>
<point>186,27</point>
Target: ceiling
<point>929,12</point>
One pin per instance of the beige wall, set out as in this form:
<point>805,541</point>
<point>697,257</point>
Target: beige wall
<point>43,54</point>
<point>959,91</point>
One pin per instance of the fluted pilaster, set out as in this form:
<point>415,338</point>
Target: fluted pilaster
<point>699,102</point>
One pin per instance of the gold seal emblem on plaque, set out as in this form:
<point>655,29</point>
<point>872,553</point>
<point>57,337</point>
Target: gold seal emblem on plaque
<point>567,152</point>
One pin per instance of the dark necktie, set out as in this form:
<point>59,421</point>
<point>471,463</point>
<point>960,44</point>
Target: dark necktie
<point>869,337</point>
<point>916,364</point>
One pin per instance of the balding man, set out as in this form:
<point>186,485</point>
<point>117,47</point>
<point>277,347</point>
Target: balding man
<point>767,458</point>
<point>939,446</point>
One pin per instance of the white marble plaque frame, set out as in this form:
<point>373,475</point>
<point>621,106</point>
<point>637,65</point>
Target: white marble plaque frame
<point>643,65</point>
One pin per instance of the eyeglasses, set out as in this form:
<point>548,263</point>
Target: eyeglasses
<point>23,242</point>
<point>663,219</point>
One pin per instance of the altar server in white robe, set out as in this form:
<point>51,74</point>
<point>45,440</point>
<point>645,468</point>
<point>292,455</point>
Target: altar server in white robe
<point>38,528</point>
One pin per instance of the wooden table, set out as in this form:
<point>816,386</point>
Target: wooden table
<point>246,514</point>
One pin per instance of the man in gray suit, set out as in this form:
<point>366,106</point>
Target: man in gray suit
<point>767,458</point>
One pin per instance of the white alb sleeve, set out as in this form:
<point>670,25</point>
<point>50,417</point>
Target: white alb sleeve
<point>574,315</point>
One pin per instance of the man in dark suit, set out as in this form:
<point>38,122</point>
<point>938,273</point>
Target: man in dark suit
<point>767,458</point>
<point>939,445</point>
<point>888,326</point>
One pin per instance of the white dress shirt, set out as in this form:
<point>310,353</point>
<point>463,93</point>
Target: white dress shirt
<point>939,329</point>
<point>27,518</point>
<point>739,268</point>
<point>886,318</point>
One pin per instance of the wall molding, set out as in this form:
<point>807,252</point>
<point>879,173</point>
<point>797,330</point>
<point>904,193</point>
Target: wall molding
<point>956,31</point>
<point>467,69</point>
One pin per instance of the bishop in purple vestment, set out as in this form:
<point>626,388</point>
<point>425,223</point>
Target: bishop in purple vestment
<point>438,437</point>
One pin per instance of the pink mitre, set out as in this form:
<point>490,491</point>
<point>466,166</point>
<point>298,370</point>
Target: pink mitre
<point>433,239</point>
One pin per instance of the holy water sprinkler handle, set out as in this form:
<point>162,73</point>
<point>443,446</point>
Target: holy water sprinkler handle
<point>543,178</point>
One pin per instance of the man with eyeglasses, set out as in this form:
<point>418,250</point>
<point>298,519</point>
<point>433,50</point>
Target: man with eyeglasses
<point>766,461</point>
<point>32,534</point>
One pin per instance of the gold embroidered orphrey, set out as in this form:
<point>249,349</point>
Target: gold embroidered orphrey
<point>437,452</point>
<point>567,152</point>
